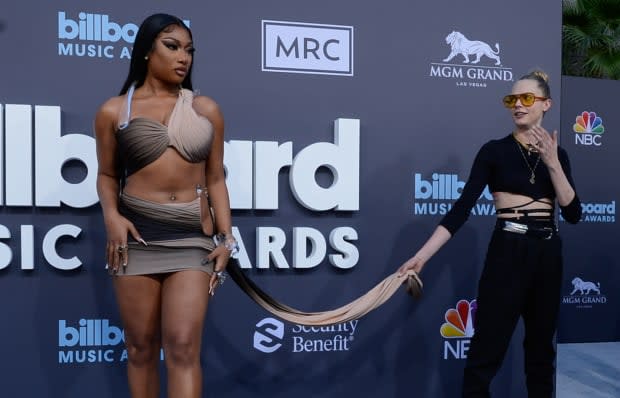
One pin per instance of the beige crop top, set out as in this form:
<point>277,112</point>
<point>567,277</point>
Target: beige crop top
<point>142,140</point>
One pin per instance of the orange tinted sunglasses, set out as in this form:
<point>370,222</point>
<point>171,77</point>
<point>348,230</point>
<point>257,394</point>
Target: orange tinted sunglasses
<point>527,99</point>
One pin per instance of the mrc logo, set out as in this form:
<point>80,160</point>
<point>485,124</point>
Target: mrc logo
<point>588,129</point>
<point>458,329</point>
<point>297,47</point>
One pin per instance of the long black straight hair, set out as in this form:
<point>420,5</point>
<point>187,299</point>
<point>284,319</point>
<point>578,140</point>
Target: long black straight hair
<point>148,31</point>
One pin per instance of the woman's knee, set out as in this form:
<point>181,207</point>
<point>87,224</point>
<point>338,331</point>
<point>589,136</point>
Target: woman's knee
<point>182,349</point>
<point>142,349</point>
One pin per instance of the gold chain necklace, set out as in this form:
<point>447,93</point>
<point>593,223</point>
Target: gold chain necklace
<point>532,169</point>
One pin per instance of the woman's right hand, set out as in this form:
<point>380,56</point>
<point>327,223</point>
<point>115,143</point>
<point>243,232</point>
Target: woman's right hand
<point>415,263</point>
<point>439,237</point>
<point>118,228</point>
<point>414,285</point>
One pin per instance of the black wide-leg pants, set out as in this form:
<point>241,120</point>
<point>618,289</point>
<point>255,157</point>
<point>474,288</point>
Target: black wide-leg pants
<point>522,277</point>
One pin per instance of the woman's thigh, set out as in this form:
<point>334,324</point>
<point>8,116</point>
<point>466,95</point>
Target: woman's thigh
<point>185,297</point>
<point>139,301</point>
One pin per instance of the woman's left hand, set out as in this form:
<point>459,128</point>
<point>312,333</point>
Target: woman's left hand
<point>546,144</point>
<point>220,255</point>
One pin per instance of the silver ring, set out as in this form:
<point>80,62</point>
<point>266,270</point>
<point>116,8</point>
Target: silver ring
<point>221,276</point>
<point>121,249</point>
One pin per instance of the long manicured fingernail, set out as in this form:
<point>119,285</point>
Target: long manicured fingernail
<point>143,242</point>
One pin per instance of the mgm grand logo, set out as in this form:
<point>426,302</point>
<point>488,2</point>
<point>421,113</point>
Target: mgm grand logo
<point>584,294</point>
<point>473,63</point>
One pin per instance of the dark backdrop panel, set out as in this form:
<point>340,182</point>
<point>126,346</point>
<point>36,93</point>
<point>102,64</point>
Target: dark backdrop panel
<point>589,311</point>
<point>422,118</point>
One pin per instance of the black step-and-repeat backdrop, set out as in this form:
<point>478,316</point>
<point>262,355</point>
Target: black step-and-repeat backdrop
<point>350,131</point>
<point>590,295</point>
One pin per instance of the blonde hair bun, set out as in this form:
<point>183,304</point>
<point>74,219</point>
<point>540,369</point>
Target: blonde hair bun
<point>541,74</point>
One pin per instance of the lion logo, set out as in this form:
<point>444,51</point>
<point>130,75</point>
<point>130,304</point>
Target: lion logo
<point>583,286</point>
<point>459,44</point>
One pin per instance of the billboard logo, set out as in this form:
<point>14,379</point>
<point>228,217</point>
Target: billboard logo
<point>33,136</point>
<point>442,186</point>
<point>458,329</point>
<point>435,196</point>
<point>468,73</point>
<point>589,129</point>
<point>91,341</point>
<point>268,335</point>
<point>584,294</point>
<point>297,47</point>
<point>253,181</point>
<point>90,332</point>
<point>598,212</point>
<point>95,27</point>
<point>95,36</point>
<point>35,153</point>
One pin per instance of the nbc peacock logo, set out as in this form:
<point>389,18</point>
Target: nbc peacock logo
<point>458,329</point>
<point>589,129</point>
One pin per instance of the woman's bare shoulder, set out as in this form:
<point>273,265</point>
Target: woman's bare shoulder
<point>111,107</point>
<point>107,116</point>
<point>207,107</point>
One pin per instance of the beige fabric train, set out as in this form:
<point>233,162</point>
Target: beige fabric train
<point>354,310</point>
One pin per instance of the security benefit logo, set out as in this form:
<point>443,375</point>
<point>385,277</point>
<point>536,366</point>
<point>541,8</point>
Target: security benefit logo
<point>588,129</point>
<point>297,47</point>
<point>458,329</point>
<point>91,341</point>
<point>471,63</point>
<point>91,35</point>
<point>437,194</point>
<point>584,294</point>
<point>272,335</point>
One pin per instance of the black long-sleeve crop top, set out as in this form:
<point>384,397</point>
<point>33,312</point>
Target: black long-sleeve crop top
<point>500,164</point>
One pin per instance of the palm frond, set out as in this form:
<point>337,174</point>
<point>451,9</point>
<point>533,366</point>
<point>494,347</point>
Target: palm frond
<point>591,38</point>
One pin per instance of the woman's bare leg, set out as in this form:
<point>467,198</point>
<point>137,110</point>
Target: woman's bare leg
<point>185,299</point>
<point>139,300</point>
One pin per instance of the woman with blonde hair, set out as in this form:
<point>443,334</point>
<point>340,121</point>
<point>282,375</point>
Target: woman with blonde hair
<point>527,173</point>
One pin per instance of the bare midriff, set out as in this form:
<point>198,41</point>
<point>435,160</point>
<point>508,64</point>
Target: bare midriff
<point>168,179</point>
<point>505,200</point>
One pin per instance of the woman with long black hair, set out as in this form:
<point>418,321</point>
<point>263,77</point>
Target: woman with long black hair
<point>160,152</point>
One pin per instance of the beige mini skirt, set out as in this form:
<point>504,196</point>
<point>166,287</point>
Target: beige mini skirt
<point>173,232</point>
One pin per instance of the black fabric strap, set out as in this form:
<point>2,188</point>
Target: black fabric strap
<point>526,212</point>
